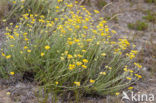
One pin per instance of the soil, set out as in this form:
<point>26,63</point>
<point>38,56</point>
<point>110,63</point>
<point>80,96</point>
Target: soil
<point>126,11</point>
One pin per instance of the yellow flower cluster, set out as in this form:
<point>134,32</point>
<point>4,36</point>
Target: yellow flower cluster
<point>92,81</point>
<point>103,73</point>
<point>123,43</point>
<point>6,56</point>
<point>71,66</point>
<point>130,88</point>
<point>132,54</point>
<point>138,65</point>
<point>12,73</point>
<point>139,76</point>
<point>77,83</point>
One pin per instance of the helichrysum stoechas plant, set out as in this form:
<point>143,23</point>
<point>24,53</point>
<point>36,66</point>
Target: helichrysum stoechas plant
<point>69,52</point>
<point>46,7</point>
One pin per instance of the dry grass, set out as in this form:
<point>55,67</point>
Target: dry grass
<point>3,8</point>
<point>147,57</point>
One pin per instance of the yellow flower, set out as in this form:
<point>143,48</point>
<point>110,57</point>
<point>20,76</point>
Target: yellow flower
<point>106,29</point>
<point>11,37</point>
<point>21,52</point>
<point>56,19</point>
<point>70,42</point>
<point>66,52</point>
<point>71,66</point>
<point>130,88</point>
<point>11,45</point>
<point>75,55</point>
<point>96,11</point>
<point>77,83</point>
<point>138,65</point>
<point>103,54</point>
<point>59,1</point>
<point>110,68</point>
<point>12,73</point>
<point>47,47</point>
<point>84,66</point>
<point>28,51</point>
<point>25,47</point>
<point>70,5</point>
<point>125,68</point>
<point>8,93</point>
<point>98,43</point>
<point>3,54</point>
<point>22,1</point>
<point>106,66</point>
<point>92,81</point>
<point>25,34</point>
<point>78,63</point>
<point>69,56</point>
<point>136,74</point>
<point>128,78</point>
<point>103,73</point>
<point>133,46</point>
<point>117,93</point>
<point>139,76</point>
<point>14,2</point>
<point>57,7</point>
<point>113,31</point>
<point>134,51</point>
<point>56,83</point>
<point>83,51</point>
<point>8,56</point>
<point>89,40</point>
<point>85,27</point>
<point>26,39</point>
<point>4,20</point>
<point>79,55</point>
<point>42,54</point>
<point>85,60</point>
<point>77,40</point>
<point>62,58</point>
<point>131,71</point>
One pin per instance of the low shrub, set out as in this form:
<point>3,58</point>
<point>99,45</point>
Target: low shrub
<point>150,1</point>
<point>138,25</point>
<point>69,52</point>
<point>151,17</point>
<point>40,7</point>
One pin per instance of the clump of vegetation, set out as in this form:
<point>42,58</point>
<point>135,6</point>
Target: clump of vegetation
<point>66,51</point>
<point>138,25</point>
<point>114,18</point>
<point>150,1</point>
<point>101,3</point>
<point>40,7</point>
<point>151,17</point>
